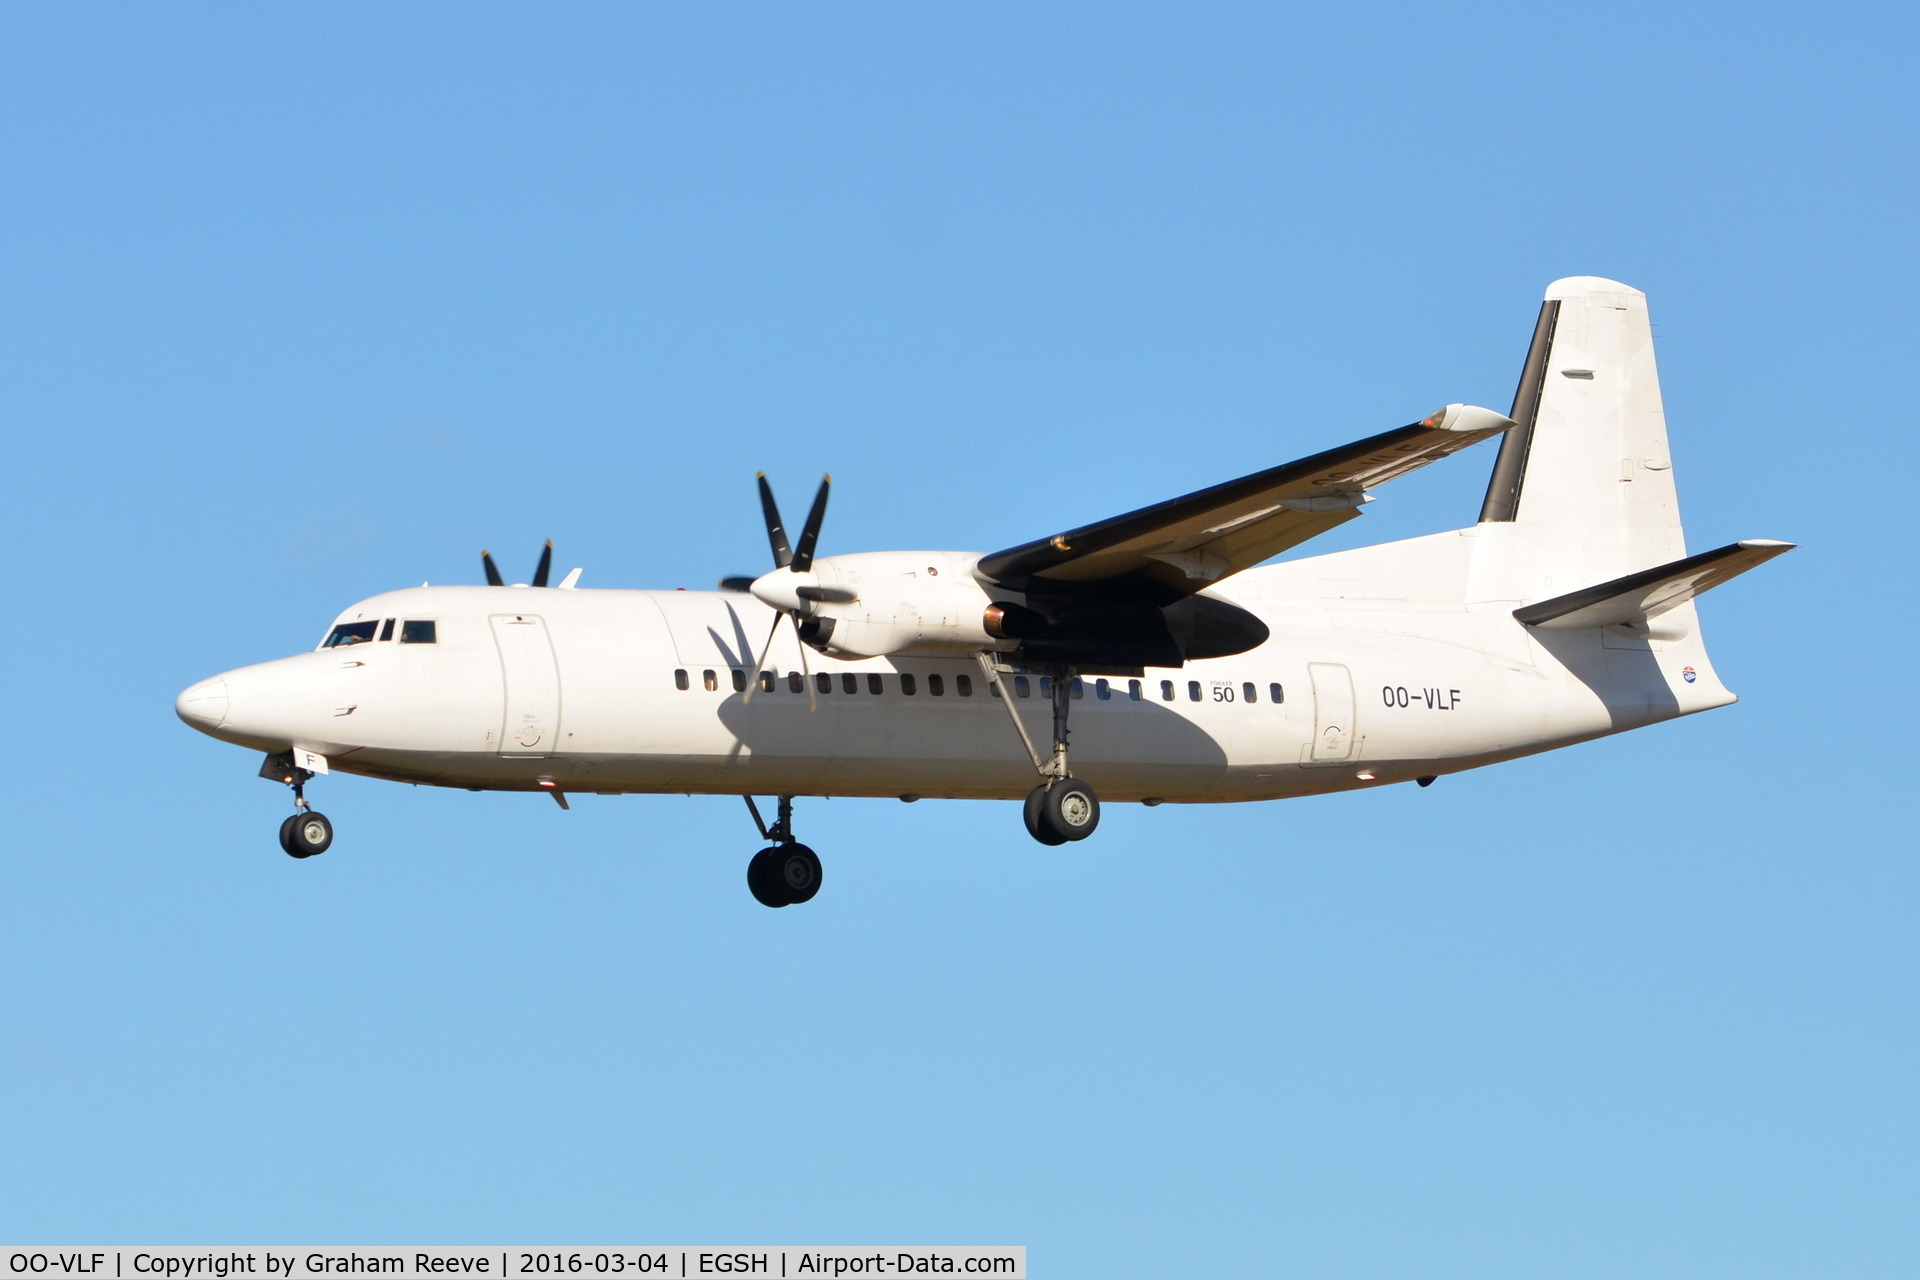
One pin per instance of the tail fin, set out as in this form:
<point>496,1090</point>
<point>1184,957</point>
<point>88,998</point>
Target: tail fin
<point>1585,479</point>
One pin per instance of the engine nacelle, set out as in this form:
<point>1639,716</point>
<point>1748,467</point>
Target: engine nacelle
<point>869,604</point>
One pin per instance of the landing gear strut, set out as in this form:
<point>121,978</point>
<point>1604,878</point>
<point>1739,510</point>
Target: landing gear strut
<point>1062,807</point>
<point>307,832</point>
<point>786,872</point>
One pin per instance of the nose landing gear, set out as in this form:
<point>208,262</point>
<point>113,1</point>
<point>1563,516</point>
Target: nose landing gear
<point>306,832</point>
<point>785,873</point>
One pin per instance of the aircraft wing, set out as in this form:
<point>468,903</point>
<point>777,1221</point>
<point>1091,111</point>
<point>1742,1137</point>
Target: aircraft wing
<point>1187,544</point>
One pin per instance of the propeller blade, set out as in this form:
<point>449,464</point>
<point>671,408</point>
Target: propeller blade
<point>753,681</point>
<point>810,531</point>
<point>776,532</point>
<point>493,571</point>
<point>546,565</point>
<point>806,672</point>
<point>736,584</point>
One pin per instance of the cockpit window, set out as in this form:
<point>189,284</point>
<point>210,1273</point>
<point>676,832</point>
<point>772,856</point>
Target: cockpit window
<point>350,633</point>
<point>418,631</point>
<point>386,629</point>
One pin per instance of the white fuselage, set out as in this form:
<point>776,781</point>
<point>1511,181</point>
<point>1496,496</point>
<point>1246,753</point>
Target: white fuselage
<point>1385,673</point>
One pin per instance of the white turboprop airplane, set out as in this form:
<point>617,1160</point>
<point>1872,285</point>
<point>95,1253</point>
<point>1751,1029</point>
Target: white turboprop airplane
<point>1190,671</point>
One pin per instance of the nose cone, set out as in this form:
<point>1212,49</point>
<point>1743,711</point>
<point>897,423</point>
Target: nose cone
<point>204,705</point>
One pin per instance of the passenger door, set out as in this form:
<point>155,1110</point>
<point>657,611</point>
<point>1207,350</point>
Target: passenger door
<point>1333,734</point>
<point>532,679</point>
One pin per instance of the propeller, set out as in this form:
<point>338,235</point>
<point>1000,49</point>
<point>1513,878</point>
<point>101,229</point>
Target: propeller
<point>795,559</point>
<point>539,575</point>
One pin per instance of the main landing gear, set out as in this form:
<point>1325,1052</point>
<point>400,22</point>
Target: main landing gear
<point>307,832</point>
<point>786,873</point>
<point>1062,807</point>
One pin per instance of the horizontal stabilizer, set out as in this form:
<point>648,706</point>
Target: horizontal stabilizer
<point>1651,592</point>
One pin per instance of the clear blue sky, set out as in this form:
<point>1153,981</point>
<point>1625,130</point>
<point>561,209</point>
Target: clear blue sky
<point>308,302</point>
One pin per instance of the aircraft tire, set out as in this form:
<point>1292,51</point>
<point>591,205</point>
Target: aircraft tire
<point>763,878</point>
<point>1070,809</point>
<point>306,835</point>
<point>799,873</point>
<point>1035,814</point>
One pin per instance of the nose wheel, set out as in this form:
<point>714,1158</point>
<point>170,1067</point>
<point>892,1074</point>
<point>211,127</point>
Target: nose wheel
<point>786,873</point>
<point>306,832</point>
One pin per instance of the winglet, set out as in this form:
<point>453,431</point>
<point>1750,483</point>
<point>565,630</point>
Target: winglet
<point>1466,418</point>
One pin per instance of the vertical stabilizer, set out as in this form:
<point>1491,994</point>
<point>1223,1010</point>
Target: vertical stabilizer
<point>1584,485</point>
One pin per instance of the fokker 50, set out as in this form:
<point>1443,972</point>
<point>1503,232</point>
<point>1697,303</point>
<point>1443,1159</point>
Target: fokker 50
<point>1189,670</point>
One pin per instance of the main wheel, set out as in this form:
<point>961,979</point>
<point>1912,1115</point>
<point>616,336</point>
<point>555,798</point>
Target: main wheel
<point>306,834</point>
<point>799,873</point>
<point>764,879</point>
<point>1070,809</point>
<point>1034,812</point>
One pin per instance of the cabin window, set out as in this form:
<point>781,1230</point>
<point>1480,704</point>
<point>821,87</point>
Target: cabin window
<point>823,682</point>
<point>936,685</point>
<point>993,687</point>
<point>849,682</point>
<point>1133,690</point>
<point>906,683</point>
<point>1276,693</point>
<point>386,629</point>
<point>1077,689</point>
<point>766,682</point>
<point>1021,689</point>
<point>418,631</point>
<point>710,682</point>
<point>794,683</point>
<point>1193,691</point>
<point>1166,691</point>
<point>349,633</point>
<point>1046,687</point>
<point>874,683</point>
<point>680,681</point>
<point>739,680</point>
<point>1250,693</point>
<point>1101,691</point>
<point>963,685</point>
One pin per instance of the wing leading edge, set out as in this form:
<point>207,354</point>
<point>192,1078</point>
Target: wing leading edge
<point>1189,543</point>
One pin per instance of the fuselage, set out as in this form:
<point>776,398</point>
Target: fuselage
<point>1363,680</point>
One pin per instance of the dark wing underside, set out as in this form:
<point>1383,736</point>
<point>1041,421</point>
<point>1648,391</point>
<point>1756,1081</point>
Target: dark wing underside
<point>1187,544</point>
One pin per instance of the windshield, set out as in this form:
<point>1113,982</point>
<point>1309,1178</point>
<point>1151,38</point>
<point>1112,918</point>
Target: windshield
<point>350,633</point>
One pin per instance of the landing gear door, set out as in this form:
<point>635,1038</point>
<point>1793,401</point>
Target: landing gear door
<point>532,678</point>
<point>1333,732</point>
